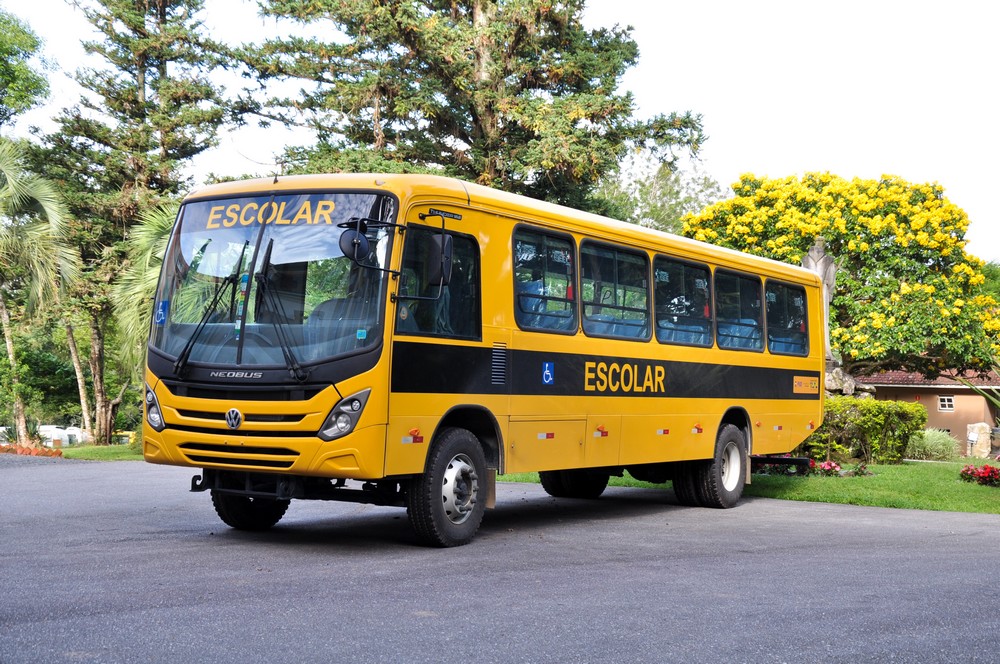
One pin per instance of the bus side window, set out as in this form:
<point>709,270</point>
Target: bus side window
<point>738,311</point>
<point>615,292</point>
<point>427,308</point>
<point>543,282</point>
<point>787,330</point>
<point>682,302</point>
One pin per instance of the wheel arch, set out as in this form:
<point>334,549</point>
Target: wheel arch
<point>739,418</point>
<point>483,426</point>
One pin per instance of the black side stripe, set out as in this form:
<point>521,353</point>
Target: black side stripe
<point>428,368</point>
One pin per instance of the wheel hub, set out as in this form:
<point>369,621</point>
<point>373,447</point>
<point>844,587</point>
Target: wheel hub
<point>731,466</point>
<point>459,489</point>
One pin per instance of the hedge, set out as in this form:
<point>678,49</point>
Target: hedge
<point>868,429</point>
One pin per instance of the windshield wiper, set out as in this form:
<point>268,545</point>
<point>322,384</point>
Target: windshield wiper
<point>182,358</point>
<point>278,316</point>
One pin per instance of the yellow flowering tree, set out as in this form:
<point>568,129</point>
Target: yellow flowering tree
<point>908,295</point>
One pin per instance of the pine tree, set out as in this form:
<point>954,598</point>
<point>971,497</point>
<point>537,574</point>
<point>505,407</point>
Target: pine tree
<point>120,150</point>
<point>21,85</point>
<point>514,94</point>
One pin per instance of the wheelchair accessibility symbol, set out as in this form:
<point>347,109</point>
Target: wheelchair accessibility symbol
<point>548,373</point>
<point>162,307</point>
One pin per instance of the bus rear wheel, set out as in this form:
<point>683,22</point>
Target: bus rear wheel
<point>720,482</point>
<point>685,483</point>
<point>586,484</point>
<point>446,503</point>
<point>552,482</point>
<point>246,513</point>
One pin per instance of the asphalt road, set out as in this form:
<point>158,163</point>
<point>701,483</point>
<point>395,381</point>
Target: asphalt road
<point>118,562</point>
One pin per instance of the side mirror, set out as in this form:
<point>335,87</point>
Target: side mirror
<point>355,245</point>
<point>439,260</point>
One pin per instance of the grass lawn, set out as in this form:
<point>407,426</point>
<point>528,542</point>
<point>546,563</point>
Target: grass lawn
<point>913,485</point>
<point>102,453</point>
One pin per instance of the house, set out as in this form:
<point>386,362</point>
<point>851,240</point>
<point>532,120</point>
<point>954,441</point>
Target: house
<point>950,404</point>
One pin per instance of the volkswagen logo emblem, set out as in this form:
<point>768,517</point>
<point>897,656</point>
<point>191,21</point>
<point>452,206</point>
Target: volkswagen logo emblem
<point>234,418</point>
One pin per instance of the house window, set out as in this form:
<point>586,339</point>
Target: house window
<point>946,403</point>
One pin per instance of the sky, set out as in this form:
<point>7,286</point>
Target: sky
<point>857,88</point>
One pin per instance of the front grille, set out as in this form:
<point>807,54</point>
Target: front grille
<point>229,455</point>
<point>247,433</point>
<point>244,393</point>
<point>247,417</point>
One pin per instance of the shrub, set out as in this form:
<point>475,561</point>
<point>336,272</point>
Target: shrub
<point>135,445</point>
<point>875,431</point>
<point>931,445</point>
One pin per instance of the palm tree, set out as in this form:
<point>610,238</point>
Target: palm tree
<point>133,294</point>
<point>32,254</point>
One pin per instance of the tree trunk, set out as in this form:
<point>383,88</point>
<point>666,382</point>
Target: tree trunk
<point>20,422</point>
<point>113,409</point>
<point>81,381</point>
<point>486,117</point>
<point>102,433</point>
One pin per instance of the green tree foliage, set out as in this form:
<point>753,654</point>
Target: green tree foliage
<point>514,94</point>
<point>908,296</point>
<point>149,110</point>
<point>46,382</point>
<point>21,85</point>
<point>657,196</point>
<point>119,151</point>
<point>991,285</point>
<point>33,258</point>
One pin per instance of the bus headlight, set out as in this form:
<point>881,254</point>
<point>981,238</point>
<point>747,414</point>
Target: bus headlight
<point>153,413</point>
<point>344,416</point>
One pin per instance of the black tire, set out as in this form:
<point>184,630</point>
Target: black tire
<point>684,483</point>
<point>246,513</point>
<point>720,482</point>
<point>552,482</point>
<point>446,503</point>
<point>586,484</point>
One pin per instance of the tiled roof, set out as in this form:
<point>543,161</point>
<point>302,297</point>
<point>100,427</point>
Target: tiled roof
<point>904,378</point>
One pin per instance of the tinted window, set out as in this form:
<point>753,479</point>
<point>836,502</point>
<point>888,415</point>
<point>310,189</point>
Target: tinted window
<point>427,307</point>
<point>682,303</point>
<point>615,292</point>
<point>738,311</point>
<point>543,282</point>
<point>302,299</point>
<point>786,319</point>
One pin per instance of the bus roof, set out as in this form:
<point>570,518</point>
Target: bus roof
<point>439,188</point>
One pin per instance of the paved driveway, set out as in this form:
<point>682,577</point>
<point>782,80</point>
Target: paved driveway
<point>117,562</point>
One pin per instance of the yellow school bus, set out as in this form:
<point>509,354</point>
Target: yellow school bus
<point>403,339</point>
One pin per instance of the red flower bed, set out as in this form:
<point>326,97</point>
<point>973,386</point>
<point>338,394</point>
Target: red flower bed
<point>30,451</point>
<point>986,475</point>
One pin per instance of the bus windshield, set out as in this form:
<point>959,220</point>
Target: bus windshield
<point>262,280</point>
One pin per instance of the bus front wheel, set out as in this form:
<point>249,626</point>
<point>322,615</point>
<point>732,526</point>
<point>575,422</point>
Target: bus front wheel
<point>246,513</point>
<point>446,503</point>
